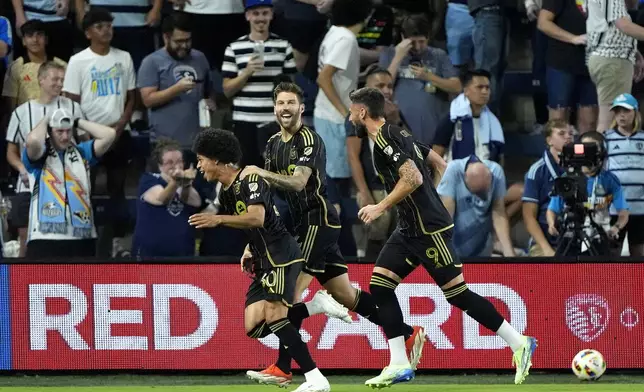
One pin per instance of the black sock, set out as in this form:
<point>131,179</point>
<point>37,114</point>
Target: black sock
<point>290,337</point>
<point>389,312</point>
<point>477,307</point>
<point>366,307</point>
<point>296,315</point>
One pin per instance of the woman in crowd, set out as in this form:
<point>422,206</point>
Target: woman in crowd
<point>625,150</point>
<point>166,201</point>
<point>538,184</point>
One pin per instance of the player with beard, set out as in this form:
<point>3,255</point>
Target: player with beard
<point>422,237</point>
<point>295,165</point>
<point>272,255</point>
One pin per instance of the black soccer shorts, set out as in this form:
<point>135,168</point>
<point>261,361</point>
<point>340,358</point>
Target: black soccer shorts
<point>401,255</point>
<point>322,256</point>
<point>274,285</point>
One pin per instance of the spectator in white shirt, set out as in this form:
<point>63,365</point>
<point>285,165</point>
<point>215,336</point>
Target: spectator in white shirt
<point>102,79</point>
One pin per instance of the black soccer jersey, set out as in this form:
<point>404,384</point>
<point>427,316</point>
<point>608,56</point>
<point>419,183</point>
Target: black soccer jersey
<point>309,206</point>
<point>422,212</point>
<point>267,243</point>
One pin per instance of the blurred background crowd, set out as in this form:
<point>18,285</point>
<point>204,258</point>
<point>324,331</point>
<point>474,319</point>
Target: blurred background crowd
<point>496,87</point>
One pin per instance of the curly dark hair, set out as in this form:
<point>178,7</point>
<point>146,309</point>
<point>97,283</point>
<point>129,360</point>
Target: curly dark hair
<point>218,144</point>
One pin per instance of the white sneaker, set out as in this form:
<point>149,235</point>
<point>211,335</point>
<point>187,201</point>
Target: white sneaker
<point>311,387</point>
<point>324,302</point>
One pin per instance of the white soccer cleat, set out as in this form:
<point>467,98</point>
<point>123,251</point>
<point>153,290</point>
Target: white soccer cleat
<point>329,306</point>
<point>317,387</point>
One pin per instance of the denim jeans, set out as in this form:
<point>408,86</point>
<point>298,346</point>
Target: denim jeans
<point>489,49</point>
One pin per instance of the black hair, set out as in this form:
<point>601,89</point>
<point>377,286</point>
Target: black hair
<point>372,99</point>
<point>350,12</point>
<point>281,78</point>
<point>416,25</point>
<point>469,74</point>
<point>288,87</point>
<point>176,21</point>
<point>96,15</point>
<point>33,26</point>
<point>218,144</point>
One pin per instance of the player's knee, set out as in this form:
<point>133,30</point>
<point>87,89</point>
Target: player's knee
<point>459,296</point>
<point>382,287</point>
<point>259,331</point>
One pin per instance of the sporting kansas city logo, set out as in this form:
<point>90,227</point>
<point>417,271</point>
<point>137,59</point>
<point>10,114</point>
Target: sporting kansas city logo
<point>587,316</point>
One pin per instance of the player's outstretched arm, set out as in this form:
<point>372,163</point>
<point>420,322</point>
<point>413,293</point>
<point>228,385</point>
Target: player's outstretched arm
<point>293,183</point>
<point>410,179</point>
<point>252,219</point>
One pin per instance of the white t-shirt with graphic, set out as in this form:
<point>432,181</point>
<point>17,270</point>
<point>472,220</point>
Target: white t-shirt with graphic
<point>340,50</point>
<point>102,83</point>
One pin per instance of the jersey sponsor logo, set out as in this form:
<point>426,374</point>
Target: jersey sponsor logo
<point>587,316</point>
<point>418,152</point>
<point>253,186</point>
<point>240,208</point>
<point>388,150</point>
<point>254,195</point>
<point>308,151</point>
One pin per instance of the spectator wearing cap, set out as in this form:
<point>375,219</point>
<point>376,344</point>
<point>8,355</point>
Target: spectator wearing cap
<point>473,191</point>
<point>61,222</point>
<point>21,83</point>
<point>339,69</point>
<point>625,150</point>
<point>172,81</point>
<point>25,118</point>
<point>166,201</point>
<point>226,15</point>
<point>54,16</point>
<point>251,63</point>
<point>133,24</point>
<point>539,181</point>
<point>102,79</point>
<point>424,78</point>
<point>568,82</point>
<point>611,51</point>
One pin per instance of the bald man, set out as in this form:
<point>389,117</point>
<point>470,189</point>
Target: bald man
<point>473,192</point>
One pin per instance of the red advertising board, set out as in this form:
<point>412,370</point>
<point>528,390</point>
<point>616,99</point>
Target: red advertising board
<point>191,317</point>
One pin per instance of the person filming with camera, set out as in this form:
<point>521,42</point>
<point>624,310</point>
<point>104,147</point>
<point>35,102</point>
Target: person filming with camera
<point>603,190</point>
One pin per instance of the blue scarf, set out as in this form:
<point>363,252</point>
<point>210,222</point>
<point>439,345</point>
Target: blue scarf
<point>463,141</point>
<point>64,183</point>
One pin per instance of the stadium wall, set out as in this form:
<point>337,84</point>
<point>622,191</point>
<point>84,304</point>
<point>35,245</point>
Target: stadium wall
<point>189,316</point>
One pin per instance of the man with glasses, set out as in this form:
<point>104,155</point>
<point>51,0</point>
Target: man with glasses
<point>172,81</point>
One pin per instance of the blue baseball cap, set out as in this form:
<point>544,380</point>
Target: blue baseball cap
<point>625,101</point>
<point>258,3</point>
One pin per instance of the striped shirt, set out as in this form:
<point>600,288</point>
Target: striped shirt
<point>44,10</point>
<point>254,102</point>
<point>626,161</point>
<point>604,38</point>
<point>28,115</point>
<point>126,13</point>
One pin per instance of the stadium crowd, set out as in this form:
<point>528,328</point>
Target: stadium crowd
<point>145,77</point>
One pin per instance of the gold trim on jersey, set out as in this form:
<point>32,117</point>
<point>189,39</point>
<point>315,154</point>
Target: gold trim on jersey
<point>411,263</point>
<point>338,265</point>
<point>442,248</point>
<point>422,225</point>
<point>309,240</point>
<point>378,281</point>
<point>270,258</point>
<point>307,136</point>
<point>323,203</point>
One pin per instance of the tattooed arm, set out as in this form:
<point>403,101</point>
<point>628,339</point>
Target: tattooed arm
<point>410,179</point>
<point>294,183</point>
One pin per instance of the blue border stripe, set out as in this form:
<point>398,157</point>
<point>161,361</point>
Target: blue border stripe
<point>5,319</point>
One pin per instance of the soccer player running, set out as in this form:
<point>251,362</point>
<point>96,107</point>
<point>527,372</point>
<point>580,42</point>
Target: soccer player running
<point>272,255</point>
<point>295,164</point>
<point>423,237</point>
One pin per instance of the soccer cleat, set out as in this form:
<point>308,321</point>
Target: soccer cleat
<point>329,306</point>
<point>415,345</point>
<point>522,359</point>
<point>272,375</point>
<point>311,387</point>
<point>391,375</point>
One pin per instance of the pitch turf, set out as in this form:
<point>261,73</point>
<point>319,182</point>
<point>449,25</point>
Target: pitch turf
<point>424,383</point>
